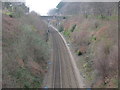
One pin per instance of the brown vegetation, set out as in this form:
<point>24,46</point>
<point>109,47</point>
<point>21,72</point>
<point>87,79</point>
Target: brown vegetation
<point>25,51</point>
<point>95,41</point>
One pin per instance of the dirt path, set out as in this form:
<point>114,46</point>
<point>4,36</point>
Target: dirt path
<point>63,72</point>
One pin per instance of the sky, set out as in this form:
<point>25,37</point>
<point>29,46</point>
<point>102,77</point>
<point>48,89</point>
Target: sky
<point>42,6</point>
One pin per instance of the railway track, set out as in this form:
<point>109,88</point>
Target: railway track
<point>57,79</point>
<point>63,71</point>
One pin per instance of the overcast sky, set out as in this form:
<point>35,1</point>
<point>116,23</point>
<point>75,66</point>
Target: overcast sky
<point>42,6</point>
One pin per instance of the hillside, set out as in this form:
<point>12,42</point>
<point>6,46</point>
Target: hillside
<point>25,47</point>
<point>92,32</point>
<point>87,8</point>
<point>75,47</point>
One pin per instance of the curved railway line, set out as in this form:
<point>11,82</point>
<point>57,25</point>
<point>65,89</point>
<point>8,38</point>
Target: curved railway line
<point>62,71</point>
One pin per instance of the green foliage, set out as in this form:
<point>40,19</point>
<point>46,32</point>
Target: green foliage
<point>6,4</point>
<point>86,15</point>
<point>73,27</point>
<point>27,79</point>
<point>93,38</point>
<point>64,17</point>
<point>103,17</point>
<point>30,44</point>
<point>25,42</point>
<point>11,14</point>
<point>8,13</point>
<point>96,25</point>
<point>67,33</point>
<point>115,81</point>
<point>79,53</point>
<point>61,28</point>
<point>15,9</point>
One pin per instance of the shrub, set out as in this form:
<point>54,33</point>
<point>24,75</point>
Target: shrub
<point>93,38</point>
<point>23,41</point>
<point>67,33</point>
<point>61,28</point>
<point>79,53</point>
<point>27,79</point>
<point>101,54</point>
<point>106,59</point>
<point>73,27</point>
<point>96,24</point>
<point>64,17</point>
<point>113,60</point>
<point>31,45</point>
<point>81,38</point>
<point>18,10</point>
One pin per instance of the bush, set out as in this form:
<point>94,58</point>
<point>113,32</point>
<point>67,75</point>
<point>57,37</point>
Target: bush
<point>67,33</point>
<point>79,53</point>
<point>27,79</point>
<point>23,42</point>
<point>93,38</point>
<point>73,28</point>
<point>101,61</point>
<point>64,17</point>
<point>61,28</point>
<point>106,59</point>
<point>17,10</point>
<point>113,60</point>
<point>96,24</point>
<point>81,38</point>
<point>31,45</point>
